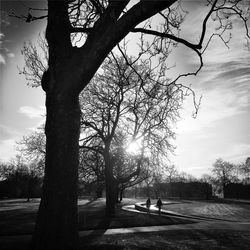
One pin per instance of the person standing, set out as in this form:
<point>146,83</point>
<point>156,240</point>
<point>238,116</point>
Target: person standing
<point>159,205</point>
<point>148,204</point>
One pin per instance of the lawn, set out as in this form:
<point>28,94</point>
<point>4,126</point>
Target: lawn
<point>234,211</point>
<point>174,239</point>
<point>17,217</point>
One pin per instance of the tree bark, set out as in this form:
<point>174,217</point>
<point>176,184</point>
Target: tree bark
<point>99,189</point>
<point>121,195</point>
<point>57,221</point>
<point>223,189</point>
<point>110,186</point>
<point>29,189</point>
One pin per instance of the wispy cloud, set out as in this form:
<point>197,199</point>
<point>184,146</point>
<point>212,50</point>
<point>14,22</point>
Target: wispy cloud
<point>4,20</point>
<point>200,160</point>
<point>32,112</point>
<point>7,132</point>
<point>2,60</point>
<point>216,105</point>
<point>235,152</point>
<point>5,53</point>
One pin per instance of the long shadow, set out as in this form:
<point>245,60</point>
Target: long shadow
<point>97,232</point>
<point>90,201</point>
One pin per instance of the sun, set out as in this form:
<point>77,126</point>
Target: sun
<point>133,148</point>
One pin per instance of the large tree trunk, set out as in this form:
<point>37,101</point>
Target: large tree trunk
<point>117,190</point>
<point>110,194</point>
<point>110,186</point>
<point>57,221</point>
<point>29,189</point>
<point>99,189</point>
<point>223,189</point>
<point>121,194</point>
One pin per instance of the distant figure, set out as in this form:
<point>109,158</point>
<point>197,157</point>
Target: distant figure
<point>148,204</point>
<point>159,205</point>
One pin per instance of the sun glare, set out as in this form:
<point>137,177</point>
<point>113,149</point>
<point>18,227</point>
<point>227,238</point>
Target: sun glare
<point>133,148</point>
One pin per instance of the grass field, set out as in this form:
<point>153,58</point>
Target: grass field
<point>17,218</point>
<point>213,209</point>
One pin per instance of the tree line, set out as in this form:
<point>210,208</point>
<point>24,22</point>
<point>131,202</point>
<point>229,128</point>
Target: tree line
<point>22,178</point>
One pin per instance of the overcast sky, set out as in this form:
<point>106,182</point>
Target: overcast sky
<point>220,130</point>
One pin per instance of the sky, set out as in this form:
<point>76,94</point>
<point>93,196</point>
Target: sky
<point>221,129</point>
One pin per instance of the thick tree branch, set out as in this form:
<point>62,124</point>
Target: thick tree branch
<point>80,30</point>
<point>204,25</point>
<point>165,35</point>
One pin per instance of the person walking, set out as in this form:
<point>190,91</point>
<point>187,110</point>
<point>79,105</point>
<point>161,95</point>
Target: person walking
<point>159,205</point>
<point>148,204</point>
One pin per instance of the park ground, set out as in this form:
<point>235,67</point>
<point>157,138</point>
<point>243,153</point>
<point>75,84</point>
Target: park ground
<point>186,224</point>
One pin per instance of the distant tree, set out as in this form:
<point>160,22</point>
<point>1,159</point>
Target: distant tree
<point>244,169</point>
<point>5,170</point>
<point>22,177</point>
<point>210,182</point>
<point>206,178</point>
<point>33,146</point>
<point>185,177</point>
<point>34,172</point>
<point>157,181</point>
<point>224,173</point>
<point>91,169</point>
<point>171,173</point>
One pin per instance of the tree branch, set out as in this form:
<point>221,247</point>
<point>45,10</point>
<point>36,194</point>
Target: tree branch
<point>165,35</point>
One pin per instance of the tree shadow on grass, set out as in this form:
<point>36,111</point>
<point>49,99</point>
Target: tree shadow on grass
<point>89,241</point>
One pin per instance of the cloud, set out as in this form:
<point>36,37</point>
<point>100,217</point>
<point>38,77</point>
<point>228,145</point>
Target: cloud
<point>4,20</point>
<point>5,53</point>
<point>32,112</point>
<point>224,85</point>
<point>2,60</point>
<point>235,153</point>
<point>10,55</point>
<point>7,132</point>
<point>199,160</point>
<point>220,130</point>
<point>216,105</point>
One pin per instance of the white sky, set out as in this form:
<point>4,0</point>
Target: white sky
<point>220,130</point>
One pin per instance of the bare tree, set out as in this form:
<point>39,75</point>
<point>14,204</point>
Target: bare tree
<point>225,173</point>
<point>129,169</point>
<point>91,168</point>
<point>115,110</point>
<point>101,25</point>
<point>244,169</point>
<point>171,173</point>
<point>36,61</point>
<point>23,174</point>
<point>33,146</point>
